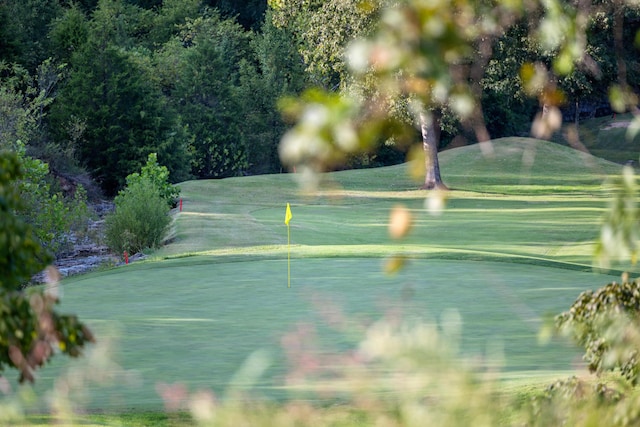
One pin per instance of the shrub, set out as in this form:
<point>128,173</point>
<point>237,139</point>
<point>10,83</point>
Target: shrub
<point>46,210</point>
<point>140,219</point>
<point>605,324</point>
<point>159,176</point>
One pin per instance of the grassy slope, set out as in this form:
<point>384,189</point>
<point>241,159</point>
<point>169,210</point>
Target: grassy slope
<point>194,319</point>
<point>606,137</point>
<point>554,205</point>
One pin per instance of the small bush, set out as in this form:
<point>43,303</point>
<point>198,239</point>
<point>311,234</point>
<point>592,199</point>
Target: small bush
<point>605,324</point>
<point>158,175</point>
<point>140,219</point>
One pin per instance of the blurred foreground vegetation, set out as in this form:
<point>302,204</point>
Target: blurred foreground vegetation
<point>102,85</point>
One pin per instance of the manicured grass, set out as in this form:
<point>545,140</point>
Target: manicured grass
<point>195,320</point>
<point>607,137</point>
<point>499,207</point>
<point>513,245</point>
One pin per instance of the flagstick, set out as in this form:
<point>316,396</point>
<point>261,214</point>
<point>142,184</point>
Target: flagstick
<point>288,257</point>
<point>287,218</point>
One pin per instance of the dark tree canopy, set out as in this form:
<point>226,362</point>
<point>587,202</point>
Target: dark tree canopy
<point>27,25</point>
<point>112,93</point>
<point>249,13</point>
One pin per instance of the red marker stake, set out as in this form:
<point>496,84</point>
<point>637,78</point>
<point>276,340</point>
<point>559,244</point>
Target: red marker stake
<point>126,257</point>
<point>180,204</point>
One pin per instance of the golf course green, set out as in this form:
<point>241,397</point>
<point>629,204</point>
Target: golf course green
<point>514,244</point>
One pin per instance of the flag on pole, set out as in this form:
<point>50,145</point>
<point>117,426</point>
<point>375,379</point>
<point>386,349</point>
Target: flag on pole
<point>287,215</point>
<point>287,218</point>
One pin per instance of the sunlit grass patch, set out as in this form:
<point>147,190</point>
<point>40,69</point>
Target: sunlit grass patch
<point>607,137</point>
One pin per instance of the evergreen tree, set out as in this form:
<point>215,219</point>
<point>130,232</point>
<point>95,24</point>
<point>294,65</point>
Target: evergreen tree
<point>112,91</point>
<point>27,23</point>
<point>200,71</point>
<point>8,40</point>
<point>249,13</point>
<point>69,33</point>
<point>169,18</point>
<point>278,71</point>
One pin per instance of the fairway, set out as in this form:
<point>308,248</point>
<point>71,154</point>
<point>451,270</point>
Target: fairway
<point>513,245</point>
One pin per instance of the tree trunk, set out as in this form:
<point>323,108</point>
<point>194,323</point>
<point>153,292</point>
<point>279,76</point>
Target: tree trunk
<point>430,140</point>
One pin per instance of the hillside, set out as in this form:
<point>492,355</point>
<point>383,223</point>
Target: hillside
<point>248,212</point>
<point>608,138</point>
<point>516,164</point>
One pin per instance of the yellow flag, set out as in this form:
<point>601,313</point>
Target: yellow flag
<point>287,218</point>
<point>287,215</point>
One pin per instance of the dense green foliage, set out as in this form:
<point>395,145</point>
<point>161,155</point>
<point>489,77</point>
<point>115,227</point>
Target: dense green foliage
<point>110,90</point>
<point>250,13</point>
<point>141,218</point>
<point>207,58</point>
<point>25,25</point>
<point>276,71</point>
<point>31,331</point>
<point>23,100</point>
<point>604,323</point>
<point>158,176</point>
<point>51,215</point>
<point>176,78</point>
<point>21,255</point>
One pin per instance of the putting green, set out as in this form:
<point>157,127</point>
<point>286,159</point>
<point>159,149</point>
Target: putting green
<point>195,320</point>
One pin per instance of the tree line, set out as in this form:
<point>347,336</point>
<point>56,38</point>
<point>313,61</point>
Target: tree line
<point>101,84</point>
<point>456,72</point>
<point>104,84</point>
